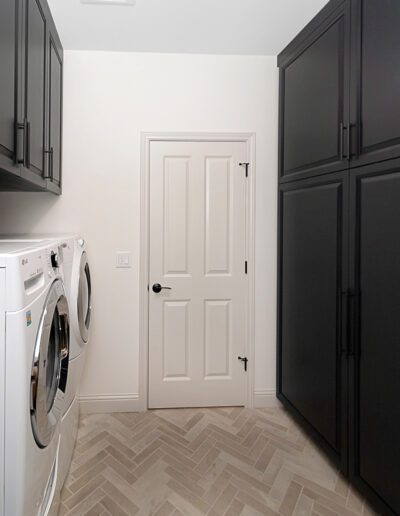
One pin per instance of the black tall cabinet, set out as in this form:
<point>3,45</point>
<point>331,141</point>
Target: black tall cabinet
<point>313,370</point>
<point>314,80</point>
<point>339,240</point>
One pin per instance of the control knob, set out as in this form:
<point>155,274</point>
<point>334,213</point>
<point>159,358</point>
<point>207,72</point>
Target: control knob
<point>55,261</point>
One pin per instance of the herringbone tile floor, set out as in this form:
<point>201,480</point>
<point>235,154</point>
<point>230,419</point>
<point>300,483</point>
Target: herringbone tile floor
<point>226,461</point>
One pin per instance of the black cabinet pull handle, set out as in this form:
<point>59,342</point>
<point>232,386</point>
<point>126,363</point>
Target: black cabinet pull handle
<point>347,322</point>
<point>351,326</point>
<point>20,143</point>
<point>341,141</point>
<point>157,288</point>
<point>28,145</point>
<point>51,163</point>
<point>349,154</point>
<point>343,319</point>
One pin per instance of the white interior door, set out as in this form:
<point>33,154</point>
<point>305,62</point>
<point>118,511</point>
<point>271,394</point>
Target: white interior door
<point>197,327</point>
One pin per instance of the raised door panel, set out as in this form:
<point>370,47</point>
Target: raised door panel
<point>375,80</point>
<point>8,76</point>
<point>311,365</point>
<point>55,112</point>
<point>35,85</point>
<point>375,403</point>
<point>314,100</point>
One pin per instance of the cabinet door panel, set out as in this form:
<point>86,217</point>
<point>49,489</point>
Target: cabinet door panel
<point>314,101</point>
<point>312,370</point>
<point>35,83</point>
<point>377,365</point>
<point>376,80</point>
<point>8,85</point>
<point>55,112</point>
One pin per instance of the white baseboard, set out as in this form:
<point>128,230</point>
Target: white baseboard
<point>265,398</point>
<point>106,403</point>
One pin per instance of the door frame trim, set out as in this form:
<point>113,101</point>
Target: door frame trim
<point>146,139</point>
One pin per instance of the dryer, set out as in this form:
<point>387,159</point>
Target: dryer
<point>79,293</point>
<point>34,364</point>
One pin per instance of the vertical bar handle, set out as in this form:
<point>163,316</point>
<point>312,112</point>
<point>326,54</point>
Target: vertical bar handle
<point>351,325</point>
<point>50,152</point>
<point>347,322</point>
<point>20,144</point>
<point>349,154</point>
<point>343,319</point>
<point>341,141</point>
<point>28,145</point>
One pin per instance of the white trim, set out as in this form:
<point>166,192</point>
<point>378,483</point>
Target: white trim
<point>265,398</point>
<point>107,403</point>
<point>147,138</point>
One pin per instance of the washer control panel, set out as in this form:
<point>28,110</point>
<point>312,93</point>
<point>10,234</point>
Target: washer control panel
<point>54,260</point>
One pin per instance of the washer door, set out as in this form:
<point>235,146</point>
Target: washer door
<point>84,297</point>
<point>50,366</point>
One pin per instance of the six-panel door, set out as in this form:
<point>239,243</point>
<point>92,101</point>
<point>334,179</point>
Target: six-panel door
<point>375,378</point>
<point>314,91</point>
<point>312,366</point>
<point>197,324</point>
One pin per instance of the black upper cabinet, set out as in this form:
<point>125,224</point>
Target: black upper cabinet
<point>9,61</point>
<point>35,86</point>
<point>314,96</point>
<point>375,408</point>
<point>375,83</point>
<point>31,60</point>
<point>54,109</point>
<point>312,367</point>
<point>339,84</point>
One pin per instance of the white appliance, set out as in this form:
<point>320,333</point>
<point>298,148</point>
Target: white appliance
<point>34,362</point>
<point>79,294</point>
<point>78,289</point>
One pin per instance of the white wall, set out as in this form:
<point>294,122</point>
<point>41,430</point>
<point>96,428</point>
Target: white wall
<point>110,98</point>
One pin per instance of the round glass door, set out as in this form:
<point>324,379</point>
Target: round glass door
<point>50,365</point>
<point>84,297</point>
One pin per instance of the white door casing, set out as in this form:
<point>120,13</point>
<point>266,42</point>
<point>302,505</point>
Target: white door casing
<point>197,247</point>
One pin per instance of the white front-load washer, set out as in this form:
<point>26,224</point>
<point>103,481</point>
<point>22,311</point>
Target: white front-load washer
<point>77,280</point>
<point>34,363</point>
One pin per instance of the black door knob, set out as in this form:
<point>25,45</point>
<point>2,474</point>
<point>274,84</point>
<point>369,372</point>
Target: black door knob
<point>157,288</point>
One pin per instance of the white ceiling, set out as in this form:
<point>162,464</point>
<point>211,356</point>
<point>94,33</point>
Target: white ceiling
<point>184,26</point>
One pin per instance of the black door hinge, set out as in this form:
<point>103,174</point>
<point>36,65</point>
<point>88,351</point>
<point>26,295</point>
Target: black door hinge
<point>244,360</point>
<point>246,165</point>
<point>245,267</point>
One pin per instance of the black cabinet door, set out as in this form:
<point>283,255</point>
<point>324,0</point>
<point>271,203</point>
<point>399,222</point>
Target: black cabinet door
<point>375,82</point>
<point>314,97</point>
<point>375,406</point>
<point>312,364</point>
<point>9,59</point>
<point>55,111</point>
<point>35,85</point>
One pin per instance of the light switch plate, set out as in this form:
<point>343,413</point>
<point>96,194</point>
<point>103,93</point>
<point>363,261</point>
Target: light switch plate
<point>124,260</point>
